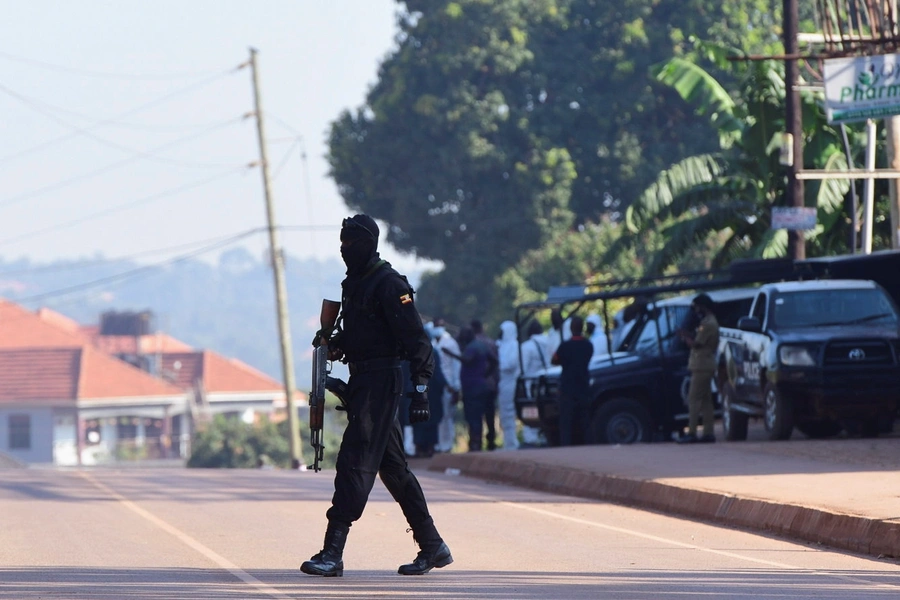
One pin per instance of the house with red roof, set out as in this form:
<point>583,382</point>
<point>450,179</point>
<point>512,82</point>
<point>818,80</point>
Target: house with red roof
<point>74,394</point>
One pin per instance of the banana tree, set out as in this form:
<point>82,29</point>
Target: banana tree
<point>723,200</point>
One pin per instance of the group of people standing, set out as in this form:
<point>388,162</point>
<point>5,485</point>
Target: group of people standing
<point>479,373</point>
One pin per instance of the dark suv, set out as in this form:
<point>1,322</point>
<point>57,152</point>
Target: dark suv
<point>639,390</point>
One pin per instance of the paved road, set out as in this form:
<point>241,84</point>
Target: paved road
<point>172,533</point>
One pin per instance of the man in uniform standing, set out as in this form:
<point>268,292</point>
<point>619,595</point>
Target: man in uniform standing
<point>702,365</point>
<point>380,327</point>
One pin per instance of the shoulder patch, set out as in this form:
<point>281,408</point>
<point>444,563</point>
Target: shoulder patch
<point>406,299</point>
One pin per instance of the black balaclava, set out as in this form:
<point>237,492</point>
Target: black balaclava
<point>359,242</point>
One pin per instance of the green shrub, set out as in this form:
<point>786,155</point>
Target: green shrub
<point>229,443</point>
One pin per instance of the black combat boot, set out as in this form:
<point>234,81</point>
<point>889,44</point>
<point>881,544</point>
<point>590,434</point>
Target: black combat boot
<point>329,562</point>
<point>433,551</point>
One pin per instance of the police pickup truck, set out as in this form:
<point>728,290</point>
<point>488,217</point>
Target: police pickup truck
<point>821,356</point>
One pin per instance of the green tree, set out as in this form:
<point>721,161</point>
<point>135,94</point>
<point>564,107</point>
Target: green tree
<point>593,97</point>
<point>229,442</point>
<point>730,192</point>
<point>572,258</point>
<point>496,124</point>
<point>441,152</point>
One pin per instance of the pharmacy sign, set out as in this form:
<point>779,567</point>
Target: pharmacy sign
<point>862,87</point>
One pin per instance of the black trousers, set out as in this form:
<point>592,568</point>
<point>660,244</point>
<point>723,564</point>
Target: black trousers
<point>574,420</point>
<point>373,444</point>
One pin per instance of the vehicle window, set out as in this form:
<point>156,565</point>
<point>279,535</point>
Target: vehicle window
<point>728,312</point>
<point>663,328</point>
<point>677,318</point>
<point>759,309</point>
<point>647,343</point>
<point>817,308</point>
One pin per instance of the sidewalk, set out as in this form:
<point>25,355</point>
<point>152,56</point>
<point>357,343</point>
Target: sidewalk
<point>842,493</point>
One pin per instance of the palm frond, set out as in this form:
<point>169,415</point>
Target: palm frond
<point>685,235</point>
<point>685,175</point>
<point>701,90</point>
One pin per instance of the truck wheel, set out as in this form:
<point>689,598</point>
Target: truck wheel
<point>779,414</point>
<point>621,421</point>
<point>734,422</point>
<point>819,430</point>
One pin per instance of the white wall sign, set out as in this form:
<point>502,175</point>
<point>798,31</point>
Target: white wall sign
<point>793,217</point>
<point>862,87</point>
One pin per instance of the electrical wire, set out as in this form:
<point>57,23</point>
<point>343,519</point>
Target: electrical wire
<point>110,167</point>
<point>284,159</point>
<point>138,109</point>
<point>38,107</point>
<point>283,123</point>
<point>102,74</point>
<point>84,264</point>
<point>120,207</point>
<point>140,271</point>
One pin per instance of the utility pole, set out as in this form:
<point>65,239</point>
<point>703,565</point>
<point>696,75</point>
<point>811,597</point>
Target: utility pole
<point>796,247</point>
<point>284,328</point>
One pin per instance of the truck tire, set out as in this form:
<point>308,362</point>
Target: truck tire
<point>734,422</point>
<point>820,430</point>
<point>621,421</point>
<point>778,414</point>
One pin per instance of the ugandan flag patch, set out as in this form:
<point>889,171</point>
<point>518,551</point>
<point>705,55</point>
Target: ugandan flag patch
<point>406,299</point>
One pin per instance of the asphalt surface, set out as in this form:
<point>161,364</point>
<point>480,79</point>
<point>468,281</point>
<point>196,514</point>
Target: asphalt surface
<point>841,493</point>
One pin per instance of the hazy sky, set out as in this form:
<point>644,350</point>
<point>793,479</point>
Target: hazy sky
<point>126,130</point>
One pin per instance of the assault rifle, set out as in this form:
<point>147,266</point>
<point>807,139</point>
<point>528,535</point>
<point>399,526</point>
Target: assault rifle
<point>321,381</point>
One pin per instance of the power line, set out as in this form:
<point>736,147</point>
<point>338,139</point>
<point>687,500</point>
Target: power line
<point>120,207</point>
<point>110,167</point>
<point>113,120</point>
<point>38,107</point>
<point>101,74</point>
<point>126,258</point>
<point>285,158</point>
<point>284,124</point>
<point>145,270</point>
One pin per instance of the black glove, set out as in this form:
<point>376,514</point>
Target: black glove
<point>418,407</point>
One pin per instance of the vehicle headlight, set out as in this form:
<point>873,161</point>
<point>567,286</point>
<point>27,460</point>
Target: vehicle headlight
<point>797,356</point>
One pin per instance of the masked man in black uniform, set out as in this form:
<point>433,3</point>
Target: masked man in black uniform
<point>381,326</point>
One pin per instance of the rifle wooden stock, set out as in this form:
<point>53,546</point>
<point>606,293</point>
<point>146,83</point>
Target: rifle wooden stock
<point>328,317</point>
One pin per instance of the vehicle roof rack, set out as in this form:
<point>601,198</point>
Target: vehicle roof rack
<point>739,273</point>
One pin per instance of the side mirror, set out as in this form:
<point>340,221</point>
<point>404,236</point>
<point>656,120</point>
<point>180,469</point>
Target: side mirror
<point>749,324</point>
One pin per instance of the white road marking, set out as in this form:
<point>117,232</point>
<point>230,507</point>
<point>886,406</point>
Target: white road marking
<point>212,555</point>
<point>668,541</point>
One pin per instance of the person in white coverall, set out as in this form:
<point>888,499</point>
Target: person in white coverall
<point>508,353</point>
<point>597,335</point>
<point>534,360</point>
<point>450,366</point>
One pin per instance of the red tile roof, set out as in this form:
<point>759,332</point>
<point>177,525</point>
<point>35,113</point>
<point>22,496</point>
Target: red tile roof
<point>43,336</point>
<point>73,374</point>
<point>60,320</point>
<point>20,328</point>
<point>217,373</point>
<point>128,344</point>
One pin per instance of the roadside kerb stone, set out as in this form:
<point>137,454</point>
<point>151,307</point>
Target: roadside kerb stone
<point>841,531</point>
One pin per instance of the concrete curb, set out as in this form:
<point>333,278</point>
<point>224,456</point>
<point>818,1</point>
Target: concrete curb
<point>841,531</point>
